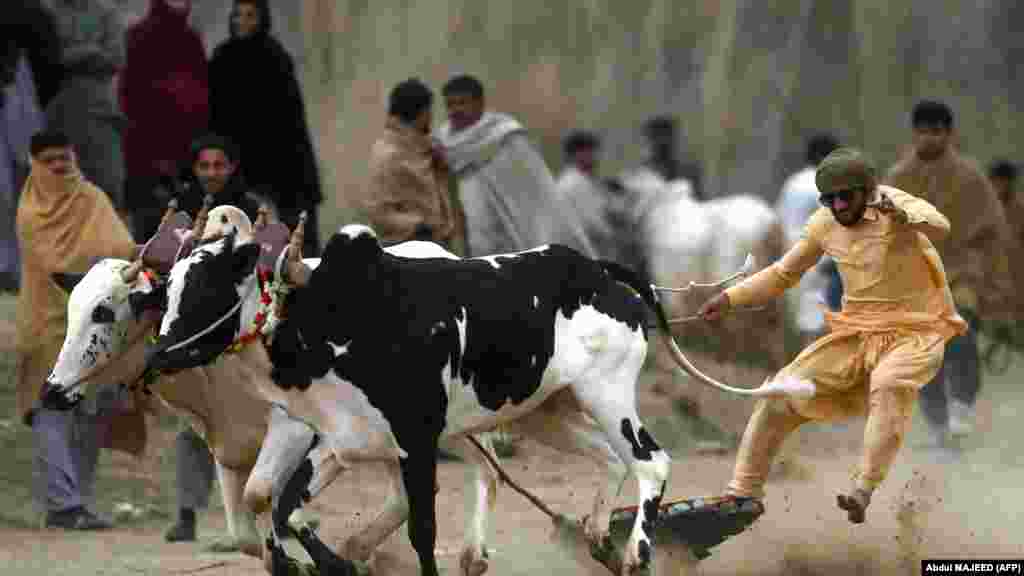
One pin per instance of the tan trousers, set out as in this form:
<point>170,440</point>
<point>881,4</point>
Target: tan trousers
<point>877,373</point>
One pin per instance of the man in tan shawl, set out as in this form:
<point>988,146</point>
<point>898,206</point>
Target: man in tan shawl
<point>408,197</point>
<point>64,223</point>
<point>974,254</point>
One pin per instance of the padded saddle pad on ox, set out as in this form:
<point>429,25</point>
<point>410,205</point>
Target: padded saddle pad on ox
<point>273,239</point>
<point>162,250</point>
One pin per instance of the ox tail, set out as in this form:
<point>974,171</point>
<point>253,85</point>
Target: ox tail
<point>647,293</point>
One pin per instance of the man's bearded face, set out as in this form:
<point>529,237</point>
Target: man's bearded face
<point>213,169</point>
<point>464,110</point>
<point>930,141</point>
<point>847,198</point>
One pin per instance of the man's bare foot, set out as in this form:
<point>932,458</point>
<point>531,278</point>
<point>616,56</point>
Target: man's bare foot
<point>855,504</point>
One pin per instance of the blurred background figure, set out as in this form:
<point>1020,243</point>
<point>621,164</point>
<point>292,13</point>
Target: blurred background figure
<point>797,202</point>
<point>85,108</point>
<point>164,93</point>
<point>659,180</point>
<point>29,75</point>
<point>974,254</point>
<point>1003,175</point>
<point>584,193</point>
<point>255,100</point>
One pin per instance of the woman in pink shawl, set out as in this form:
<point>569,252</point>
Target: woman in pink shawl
<point>165,96</point>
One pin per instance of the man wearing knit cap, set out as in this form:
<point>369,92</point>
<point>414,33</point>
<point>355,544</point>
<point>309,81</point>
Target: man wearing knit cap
<point>885,344</point>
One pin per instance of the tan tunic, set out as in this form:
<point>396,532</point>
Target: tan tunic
<point>897,306</point>
<point>405,191</point>
<point>63,225</point>
<point>974,252</point>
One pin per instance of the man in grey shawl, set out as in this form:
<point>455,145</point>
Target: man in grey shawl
<point>92,52</point>
<point>507,192</point>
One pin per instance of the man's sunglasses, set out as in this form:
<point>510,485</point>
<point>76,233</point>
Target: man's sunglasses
<point>829,198</point>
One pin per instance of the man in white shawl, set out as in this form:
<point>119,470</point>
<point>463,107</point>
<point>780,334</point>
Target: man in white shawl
<point>797,202</point>
<point>507,192</point>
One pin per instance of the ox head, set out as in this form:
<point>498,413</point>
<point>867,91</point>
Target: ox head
<point>110,309</point>
<point>210,292</point>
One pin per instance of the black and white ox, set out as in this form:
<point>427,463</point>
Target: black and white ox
<point>386,356</point>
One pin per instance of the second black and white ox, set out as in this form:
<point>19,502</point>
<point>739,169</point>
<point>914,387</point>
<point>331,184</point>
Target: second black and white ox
<point>386,356</point>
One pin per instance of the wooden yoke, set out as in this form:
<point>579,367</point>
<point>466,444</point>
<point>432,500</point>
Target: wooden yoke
<point>172,209</point>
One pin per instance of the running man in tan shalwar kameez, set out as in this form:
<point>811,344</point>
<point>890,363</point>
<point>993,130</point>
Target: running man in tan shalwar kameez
<point>885,344</point>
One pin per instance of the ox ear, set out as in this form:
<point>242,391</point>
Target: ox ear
<point>67,282</point>
<point>244,259</point>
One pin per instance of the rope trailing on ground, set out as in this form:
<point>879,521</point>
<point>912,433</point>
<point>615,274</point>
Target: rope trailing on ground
<point>506,479</point>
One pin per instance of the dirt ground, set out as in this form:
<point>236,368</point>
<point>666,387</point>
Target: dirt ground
<point>937,502</point>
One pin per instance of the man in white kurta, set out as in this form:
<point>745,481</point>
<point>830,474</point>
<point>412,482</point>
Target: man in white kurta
<point>588,197</point>
<point>797,202</point>
<point>507,192</point>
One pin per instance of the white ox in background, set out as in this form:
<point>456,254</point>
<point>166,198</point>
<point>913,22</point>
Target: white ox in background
<point>386,356</point>
<point>686,240</point>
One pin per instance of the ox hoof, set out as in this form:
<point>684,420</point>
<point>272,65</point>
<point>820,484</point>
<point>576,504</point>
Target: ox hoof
<point>277,562</point>
<point>640,563</point>
<point>223,545</point>
<point>473,563</point>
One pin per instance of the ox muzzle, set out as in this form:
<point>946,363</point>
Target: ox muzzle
<point>54,397</point>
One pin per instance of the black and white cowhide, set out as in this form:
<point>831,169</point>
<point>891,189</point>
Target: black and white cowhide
<point>387,354</point>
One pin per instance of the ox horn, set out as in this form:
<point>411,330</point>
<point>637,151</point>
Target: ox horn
<point>202,217</point>
<point>295,269</point>
<point>172,209</point>
<point>131,272</point>
<point>262,217</point>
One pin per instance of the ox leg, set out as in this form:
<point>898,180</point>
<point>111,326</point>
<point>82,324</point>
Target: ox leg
<point>559,424</point>
<point>292,496</point>
<point>394,513</point>
<point>242,530</point>
<point>289,459</point>
<point>612,402</point>
<point>482,490</point>
<point>419,474</point>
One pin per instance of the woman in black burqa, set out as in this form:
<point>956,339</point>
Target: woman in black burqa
<point>255,100</point>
